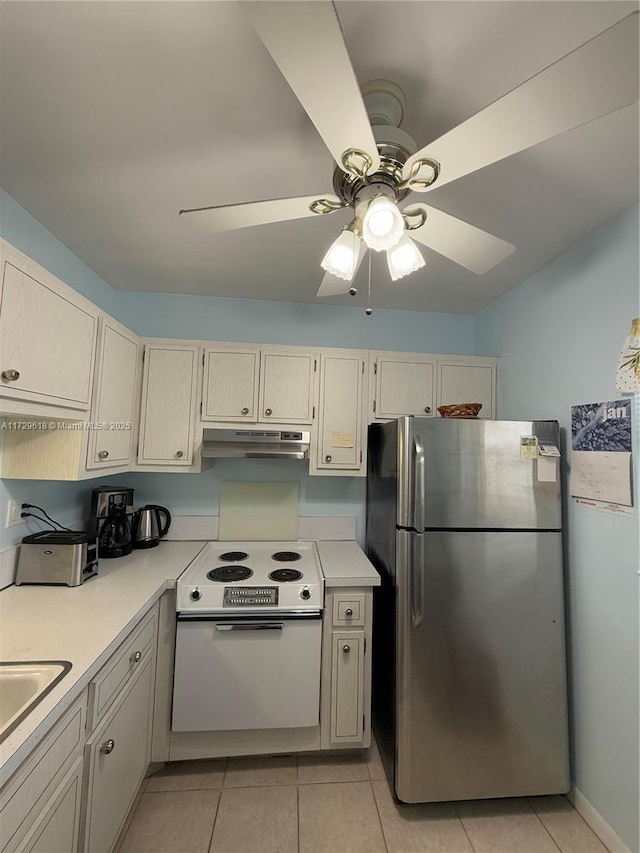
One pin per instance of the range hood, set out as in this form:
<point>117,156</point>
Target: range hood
<point>256,443</point>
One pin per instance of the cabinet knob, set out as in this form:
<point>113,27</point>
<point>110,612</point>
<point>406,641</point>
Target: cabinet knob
<point>327,458</point>
<point>103,454</point>
<point>427,409</point>
<point>348,612</point>
<point>346,649</point>
<point>179,454</point>
<point>136,657</point>
<point>245,411</point>
<point>10,375</point>
<point>268,412</point>
<point>107,746</point>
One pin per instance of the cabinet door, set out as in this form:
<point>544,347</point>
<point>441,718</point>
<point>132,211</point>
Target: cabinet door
<point>114,397</point>
<point>340,428</point>
<point>347,686</point>
<point>405,385</point>
<point>168,405</point>
<point>56,831</point>
<point>45,339</point>
<point>286,388</point>
<point>467,382</point>
<point>118,757</point>
<point>230,385</point>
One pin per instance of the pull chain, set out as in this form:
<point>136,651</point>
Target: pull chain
<point>369,309</point>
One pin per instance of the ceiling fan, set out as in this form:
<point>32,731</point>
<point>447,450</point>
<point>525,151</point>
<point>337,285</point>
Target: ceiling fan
<point>379,164</point>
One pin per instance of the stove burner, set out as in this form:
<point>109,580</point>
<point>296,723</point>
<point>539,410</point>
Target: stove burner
<point>285,575</point>
<point>229,573</point>
<point>233,556</point>
<point>286,556</point>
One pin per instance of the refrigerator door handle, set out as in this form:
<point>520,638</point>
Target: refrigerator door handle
<point>419,485</point>
<point>416,578</point>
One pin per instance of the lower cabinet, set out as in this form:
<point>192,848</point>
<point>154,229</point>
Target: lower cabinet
<point>117,756</point>
<point>57,829</point>
<point>345,714</point>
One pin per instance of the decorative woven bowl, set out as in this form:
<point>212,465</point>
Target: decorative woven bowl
<point>460,410</point>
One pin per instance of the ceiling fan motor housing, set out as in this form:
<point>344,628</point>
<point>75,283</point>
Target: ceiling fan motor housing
<point>395,146</point>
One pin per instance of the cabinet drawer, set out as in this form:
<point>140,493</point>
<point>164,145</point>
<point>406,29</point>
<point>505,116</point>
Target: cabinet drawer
<point>35,782</point>
<point>123,664</point>
<point>347,687</point>
<point>348,610</point>
<point>56,830</point>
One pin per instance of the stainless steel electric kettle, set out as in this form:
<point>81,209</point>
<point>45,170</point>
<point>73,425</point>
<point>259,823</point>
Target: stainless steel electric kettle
<point>148,528</point>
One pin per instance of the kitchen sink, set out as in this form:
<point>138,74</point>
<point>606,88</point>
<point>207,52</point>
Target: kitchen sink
<point>22,685</point>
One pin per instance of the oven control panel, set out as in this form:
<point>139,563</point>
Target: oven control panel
<point>250,596</point>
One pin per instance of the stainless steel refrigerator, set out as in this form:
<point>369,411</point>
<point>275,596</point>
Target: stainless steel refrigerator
<point>469,674</point>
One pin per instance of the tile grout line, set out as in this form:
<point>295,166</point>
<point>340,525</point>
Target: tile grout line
<point>215,817</point>
<point>298,798</point>
<point>528,799</point>
<point>464,828</point>
<point>375,800</point>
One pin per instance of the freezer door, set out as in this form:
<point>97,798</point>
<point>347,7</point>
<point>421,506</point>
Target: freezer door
<point>475,476</point>
<point>481,704</point>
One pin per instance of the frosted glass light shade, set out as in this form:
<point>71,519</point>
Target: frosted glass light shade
<point>404,258</point>
<point>342,258</point>
<point>383,224</point>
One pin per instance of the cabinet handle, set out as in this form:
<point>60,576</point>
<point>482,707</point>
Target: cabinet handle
<point>346,649</point>
<point>107,746</point>
<point>427,409</point>
<point>10,375</point>
<point>136,657</point>
<point>103,454</point>
<point>327,458</point>
<point>245,411</point>
<point>268,412</point>
<point>348,612</point>
<point>179,454</point>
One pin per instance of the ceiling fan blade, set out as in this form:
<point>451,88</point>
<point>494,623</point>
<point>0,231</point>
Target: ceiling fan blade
<point>462,243</point>
<point>331,285</point>
<point>231,216</point>
<point>597,78</point>
<point>306,43</point>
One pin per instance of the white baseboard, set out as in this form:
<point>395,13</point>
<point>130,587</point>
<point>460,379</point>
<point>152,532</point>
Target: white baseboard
<point>598,824</point>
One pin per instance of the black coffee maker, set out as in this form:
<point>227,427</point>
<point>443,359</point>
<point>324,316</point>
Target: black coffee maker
<point>113,514</point>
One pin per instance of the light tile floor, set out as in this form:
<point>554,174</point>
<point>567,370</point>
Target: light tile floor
<point>334,804</point>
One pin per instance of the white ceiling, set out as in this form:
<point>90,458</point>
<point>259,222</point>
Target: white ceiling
<point>115,115</point>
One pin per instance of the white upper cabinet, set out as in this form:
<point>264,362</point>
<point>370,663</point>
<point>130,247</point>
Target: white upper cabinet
<point>230,386</point>
<point>47,338</point>
<point>167,415</point>
<point>341,430</point>
<point>114,397</point>
<point>403,384</point>
<point>287,386</point>
<point>468,380</point>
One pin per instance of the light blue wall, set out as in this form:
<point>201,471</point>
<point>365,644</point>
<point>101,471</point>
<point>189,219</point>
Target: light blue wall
<point>211,318</point>
<point>559,335</point>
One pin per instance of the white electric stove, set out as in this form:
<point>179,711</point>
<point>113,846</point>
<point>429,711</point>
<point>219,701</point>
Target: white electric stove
<point>252,578</point>
<point>249,637</point>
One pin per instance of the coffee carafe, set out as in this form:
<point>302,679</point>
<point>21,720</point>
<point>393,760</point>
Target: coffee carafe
<point>113,514</point>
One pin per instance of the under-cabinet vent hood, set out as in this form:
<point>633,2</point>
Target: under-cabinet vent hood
<point>256,443</point>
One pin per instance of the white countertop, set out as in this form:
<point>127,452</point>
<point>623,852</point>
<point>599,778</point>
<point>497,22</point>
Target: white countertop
<point>86,624</point>
<point>344,564</point>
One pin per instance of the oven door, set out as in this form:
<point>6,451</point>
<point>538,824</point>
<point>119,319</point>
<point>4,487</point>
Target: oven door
<point>247,673</point>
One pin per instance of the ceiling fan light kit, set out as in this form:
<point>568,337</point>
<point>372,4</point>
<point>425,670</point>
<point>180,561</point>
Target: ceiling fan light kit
<point>378,164</point>
<point>343,257</point>
<point>404,258</point>
<point>382,224</point>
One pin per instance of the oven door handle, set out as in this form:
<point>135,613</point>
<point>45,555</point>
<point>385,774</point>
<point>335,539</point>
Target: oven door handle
<point>249,626</point>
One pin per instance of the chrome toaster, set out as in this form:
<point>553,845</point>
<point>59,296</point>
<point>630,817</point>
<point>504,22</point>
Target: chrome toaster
<point>57,557</point>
